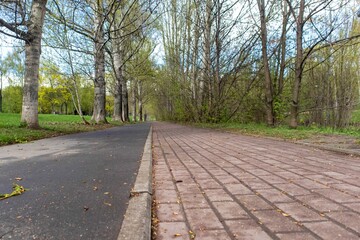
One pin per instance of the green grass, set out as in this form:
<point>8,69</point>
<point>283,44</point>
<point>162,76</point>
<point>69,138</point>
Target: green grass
<point>51,125</point>
<point>355,117</point>
<point>283,132</point>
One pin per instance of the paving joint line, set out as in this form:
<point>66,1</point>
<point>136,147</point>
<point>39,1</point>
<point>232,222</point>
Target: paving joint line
<point>218,215</point>
<point>290,196</point>
<point>271,233</point>
<point>251,215</point>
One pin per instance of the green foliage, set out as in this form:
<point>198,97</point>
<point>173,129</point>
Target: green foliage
<point>12,99</point>
<point>87,99</point>
<point>52,99</point>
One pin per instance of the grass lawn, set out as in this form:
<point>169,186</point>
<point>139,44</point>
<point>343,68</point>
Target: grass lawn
<point>283,132</point>
<point>51,125</point>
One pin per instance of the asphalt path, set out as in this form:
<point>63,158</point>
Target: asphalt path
<point>78,185</point>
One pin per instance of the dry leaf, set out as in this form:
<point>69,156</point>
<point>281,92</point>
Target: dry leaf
<point>18,178</point>
<point>177,235</point>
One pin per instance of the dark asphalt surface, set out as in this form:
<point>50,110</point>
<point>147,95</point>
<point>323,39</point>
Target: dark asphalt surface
<point>79,185</point>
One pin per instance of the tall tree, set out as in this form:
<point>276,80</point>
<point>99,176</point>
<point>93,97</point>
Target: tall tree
<point>99,113</point>
<point>269,92</point>
<point>29,30</point>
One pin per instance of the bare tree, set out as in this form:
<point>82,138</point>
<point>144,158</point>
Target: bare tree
<point>269,92</point>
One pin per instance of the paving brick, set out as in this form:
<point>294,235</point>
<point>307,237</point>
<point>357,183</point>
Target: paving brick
<point>203,176</point>
<point>292,189</point>
<point>169,212</point>
<point>256,183</point>
<point>172,230</point>
<point>337,196</point>
<point>282,187</point>
<point>276,221</point>
<point>202,219</point>
<point>247,230</point>
<point>349,219</point>
<point>274,195</point>
<point>273,179</point>
<point>166,196</point>
<point>216,195</point>
<point>296,236</point>
<point>309,184</point>
<point>208,184</point>
<point>238,189</point>
<point>230,210</point>
<point>164,185</point>
<point>188,187</point>
<point>350,189</point>
<point>193,200</point>
<point>212,235</point>
<point>254,202</point>
<point>299,212</point>
<point>323,179</point>
<point>329,230</point>
<point>320,203</point>
<point>227,179</point>
<point>288,175</point>
<point>354,206</point>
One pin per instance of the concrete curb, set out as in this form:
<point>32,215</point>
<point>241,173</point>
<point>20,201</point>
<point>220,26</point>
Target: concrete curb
<point>137,219</point>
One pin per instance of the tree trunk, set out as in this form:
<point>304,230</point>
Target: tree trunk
<point>1,86</point>
<point>134,101</point>
<point>294,110</point>
<point>118,69</point>
<point>140,102</point>
<point>206,94</point>
<point>29,114</point>
<point>99,114</point>
<point>125,101</point>
<point>283,49</point>
<point>268,80</point>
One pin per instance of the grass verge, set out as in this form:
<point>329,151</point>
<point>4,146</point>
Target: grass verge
<point>51,125</point>
<point>283,132</point>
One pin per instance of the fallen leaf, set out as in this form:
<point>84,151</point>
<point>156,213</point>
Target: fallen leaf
<point>18,178</point>
<point>17,190</point>
<point>177,235</point>
<point>285,215</point>
<point>107,204</point>
<point>106,193</point>
<point>95,188</point>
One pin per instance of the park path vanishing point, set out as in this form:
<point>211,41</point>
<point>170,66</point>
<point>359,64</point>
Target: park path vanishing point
<point>215,185</point>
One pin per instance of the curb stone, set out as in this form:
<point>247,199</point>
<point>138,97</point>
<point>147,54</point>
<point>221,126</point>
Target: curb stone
<point>137,220</point>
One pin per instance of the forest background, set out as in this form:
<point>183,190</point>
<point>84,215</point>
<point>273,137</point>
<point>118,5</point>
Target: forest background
<point>283,62</point>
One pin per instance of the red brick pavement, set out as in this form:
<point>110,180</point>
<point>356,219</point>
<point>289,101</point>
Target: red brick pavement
<point>215,185</point>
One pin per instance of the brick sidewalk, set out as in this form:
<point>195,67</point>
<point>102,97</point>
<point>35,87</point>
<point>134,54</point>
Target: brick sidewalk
<point>215,185</point>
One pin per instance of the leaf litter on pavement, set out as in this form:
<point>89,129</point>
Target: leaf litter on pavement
<point>17,190</point>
